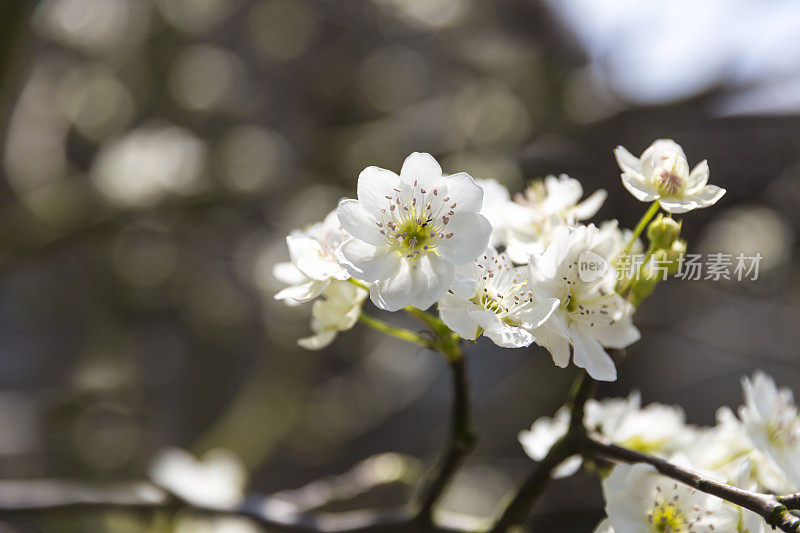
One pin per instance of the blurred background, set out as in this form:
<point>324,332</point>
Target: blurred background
<point>156,152</point>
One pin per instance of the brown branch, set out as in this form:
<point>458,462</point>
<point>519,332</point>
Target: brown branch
<point>791,501</point>
<point>771,508</point>
<point>23,499</point>
<point>526,495</point>
<point>460,442</point>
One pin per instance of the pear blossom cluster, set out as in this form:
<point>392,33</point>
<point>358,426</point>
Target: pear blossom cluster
<point>755,448</point>
<point>495,264</point>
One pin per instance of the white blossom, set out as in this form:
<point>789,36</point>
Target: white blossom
<point>336,311</point>
<point>721,446</point>
<point>662,173</point>
<point>543,434</point>
<point>496,300</point>
<point>749,522</point>
<point>770,418</point>
<point>544,206</point>
<point>498,209</point>
<point>655,429</point>
<point>640,500</point>
<point>590,316</point>
<point>313,264</point>
<point>411,231</point>
<point>215,480</point>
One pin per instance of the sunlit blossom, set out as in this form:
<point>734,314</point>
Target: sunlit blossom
<point>591,316</point>
<point>498,302</point>
<point>662,173</point>
<point>409,232</point>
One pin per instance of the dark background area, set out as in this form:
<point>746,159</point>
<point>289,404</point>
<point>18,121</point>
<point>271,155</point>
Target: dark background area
<point>155,153</point>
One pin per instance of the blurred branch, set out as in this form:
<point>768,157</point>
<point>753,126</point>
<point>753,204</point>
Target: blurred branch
<point>771,508</point>
<point>526,496</point>
<point>19,499</point>
<point>372,472</point>
<point>13,18</point>
<point>460,443</point>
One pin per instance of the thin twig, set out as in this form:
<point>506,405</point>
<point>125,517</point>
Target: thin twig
<point>770,507</point>
<point>526,495</point>
<point>400,333</point>
<point>460,442</point>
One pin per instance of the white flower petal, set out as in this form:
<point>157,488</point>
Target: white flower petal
<point>455,313</point>
<point>374,184</point>
<point>367,262</point>
<point>699,176</point>
<point>435,279</point>
<point>318,341</point>
<point>307,255</point>
<point>678,205</point>
<point>470,237</point>
<point>422,168</point>
<point>549,337</point>
<point>709,195</point>
<point>640,189</point>
<point>287,273</point>
<point>544,433</point>
<point>589,207</point>
<point>359,223</point>
<point>627,161</point>
<point>465,281</point>
<point>304,292</point>
<point>535,316</point>
<point>663,147</point>
<point>464,192</point>
<point>588,353</point>
<point>396,291</point>
<point>568,466</point>
<point>618,335</point>
<point>501,333</point>
<point>562,192</point>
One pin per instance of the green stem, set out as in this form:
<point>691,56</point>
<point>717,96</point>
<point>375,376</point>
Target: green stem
<point>400,333</point>
<point>427,318</point>
<point>358,283</point>
<point>625,288</point>
<point>649,214</point>
<point>447,342</point>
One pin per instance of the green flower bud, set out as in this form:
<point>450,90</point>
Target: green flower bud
<point>663,231</point>
<point>675,255</point>
<point>645,284</point>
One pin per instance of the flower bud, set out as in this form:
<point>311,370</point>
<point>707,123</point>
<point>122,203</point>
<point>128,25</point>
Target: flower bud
<point>645,284</point>
<point>675,255</point>
<point>663,231</point>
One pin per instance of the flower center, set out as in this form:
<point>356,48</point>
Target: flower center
<point>500,292</point>
<point>667,517</point>
<point>414,235</point>
<point>781,433</point>
<point>669,183</point>
<point>415,223</point>
<point>584,302</point>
